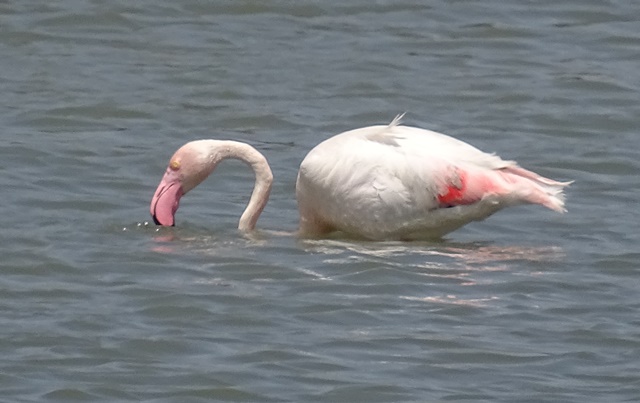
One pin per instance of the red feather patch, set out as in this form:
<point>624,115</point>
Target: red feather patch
<point>454,193</point>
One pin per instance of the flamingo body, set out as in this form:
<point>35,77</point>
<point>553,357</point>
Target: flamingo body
<point>399,182</point>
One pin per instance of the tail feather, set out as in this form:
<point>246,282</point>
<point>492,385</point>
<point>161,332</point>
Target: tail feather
<point>547,192</point>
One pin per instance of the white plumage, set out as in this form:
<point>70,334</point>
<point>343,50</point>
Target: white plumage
<point>391,182</point>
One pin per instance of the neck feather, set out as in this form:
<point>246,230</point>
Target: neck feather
<point>222,150</point>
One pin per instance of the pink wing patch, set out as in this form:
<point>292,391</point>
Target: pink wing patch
<point>468,187</point>
<point>455,192</point>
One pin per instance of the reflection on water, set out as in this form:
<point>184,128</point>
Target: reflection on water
<point>426,255</point>
<point>434,263</point>
<point>472,253</point>
<point>453,300</point>
<point>348,262</point>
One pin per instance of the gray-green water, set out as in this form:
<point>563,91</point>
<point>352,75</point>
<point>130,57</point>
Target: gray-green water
<point>96,305</point>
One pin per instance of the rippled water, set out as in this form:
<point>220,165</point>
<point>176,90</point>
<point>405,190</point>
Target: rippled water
<point>96,304</point>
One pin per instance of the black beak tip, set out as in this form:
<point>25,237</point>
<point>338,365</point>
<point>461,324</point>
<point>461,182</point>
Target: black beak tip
<point>155,220</point>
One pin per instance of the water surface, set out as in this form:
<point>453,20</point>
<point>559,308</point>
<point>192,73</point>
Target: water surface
<point>98,305</point>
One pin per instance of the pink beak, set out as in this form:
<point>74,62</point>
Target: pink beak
<point>165,201</point>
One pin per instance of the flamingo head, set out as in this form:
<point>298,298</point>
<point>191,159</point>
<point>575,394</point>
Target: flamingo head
<point>189,166</point>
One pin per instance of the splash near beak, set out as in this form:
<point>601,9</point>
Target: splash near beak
<point>165,202</point>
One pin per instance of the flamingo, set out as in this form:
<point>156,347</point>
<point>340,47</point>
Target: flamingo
<point>384,182</point>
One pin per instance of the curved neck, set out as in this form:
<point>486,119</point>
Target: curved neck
<point>263,178</point>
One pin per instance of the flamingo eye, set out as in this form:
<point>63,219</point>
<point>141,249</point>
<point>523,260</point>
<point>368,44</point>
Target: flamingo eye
<point>174,165</point>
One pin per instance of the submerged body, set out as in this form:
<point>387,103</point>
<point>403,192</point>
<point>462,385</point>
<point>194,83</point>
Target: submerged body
<point>399,182</point>
<point>379,182</point>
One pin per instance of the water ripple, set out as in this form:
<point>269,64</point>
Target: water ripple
<point>99,304</point>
